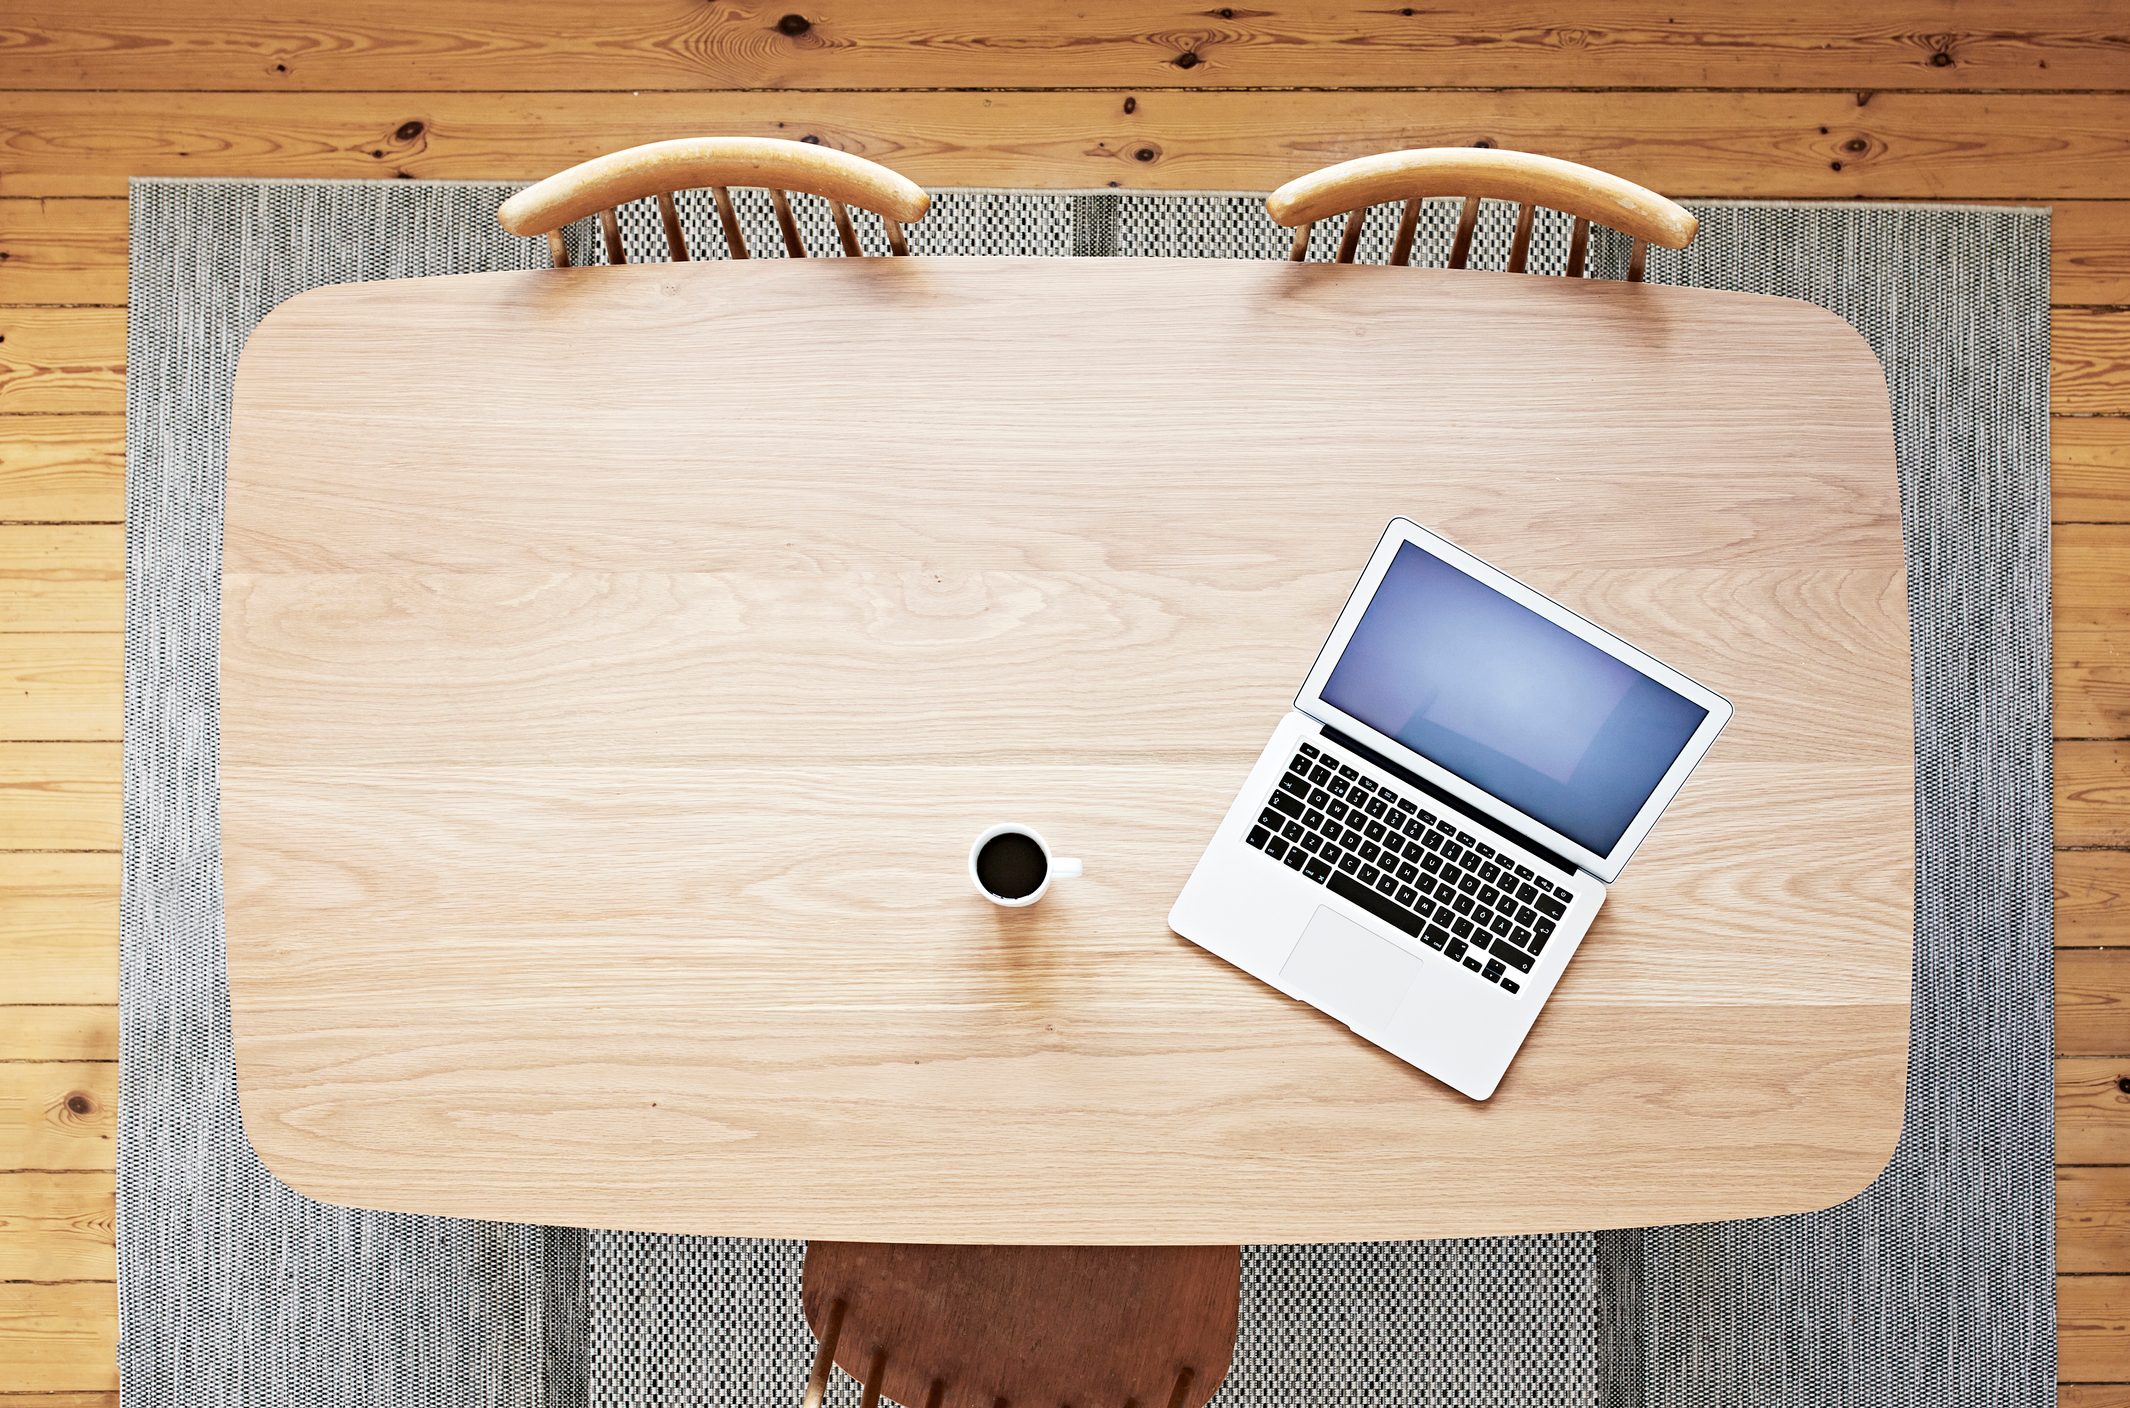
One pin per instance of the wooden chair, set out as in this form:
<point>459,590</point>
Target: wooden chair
<point>660,169</point>
<point>1479,173</point>
<point>1022,1327</point>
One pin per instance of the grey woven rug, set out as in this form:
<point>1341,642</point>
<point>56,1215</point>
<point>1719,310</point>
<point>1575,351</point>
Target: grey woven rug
<point>1935,1287</point>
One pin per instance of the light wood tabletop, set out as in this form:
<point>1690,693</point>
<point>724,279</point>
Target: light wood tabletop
<point>616,664</point>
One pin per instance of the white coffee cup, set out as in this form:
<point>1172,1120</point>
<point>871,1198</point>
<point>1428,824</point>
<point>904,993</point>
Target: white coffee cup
<point>1026,874</point>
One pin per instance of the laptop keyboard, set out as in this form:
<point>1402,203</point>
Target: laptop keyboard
<point>1372,845</point>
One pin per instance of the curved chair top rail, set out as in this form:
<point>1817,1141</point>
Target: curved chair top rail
<point>1489,174</point>
<point>687,163</point>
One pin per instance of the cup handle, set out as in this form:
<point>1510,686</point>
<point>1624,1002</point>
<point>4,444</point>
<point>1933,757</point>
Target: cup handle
<point>1067,868</point>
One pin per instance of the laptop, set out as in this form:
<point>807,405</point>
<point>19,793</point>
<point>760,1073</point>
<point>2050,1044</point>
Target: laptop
<point>1431,830</point>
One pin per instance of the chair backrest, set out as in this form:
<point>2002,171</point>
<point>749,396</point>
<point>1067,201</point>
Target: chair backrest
<point>1479,173</point>
<point>659,169</point>
<point>1028,1327</point>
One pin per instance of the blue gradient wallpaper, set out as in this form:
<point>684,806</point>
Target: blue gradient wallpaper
<point>1507,700</point>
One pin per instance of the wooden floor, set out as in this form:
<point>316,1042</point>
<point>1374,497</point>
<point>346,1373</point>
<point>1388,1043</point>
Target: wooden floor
<point>1943,100</point>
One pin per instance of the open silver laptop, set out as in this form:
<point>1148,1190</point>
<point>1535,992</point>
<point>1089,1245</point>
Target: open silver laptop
<point>1430,831</point>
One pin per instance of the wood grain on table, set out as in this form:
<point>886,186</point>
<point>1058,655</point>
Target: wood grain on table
<point>600,754</point>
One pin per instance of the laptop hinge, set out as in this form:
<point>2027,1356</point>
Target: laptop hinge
<point>1415,780</point>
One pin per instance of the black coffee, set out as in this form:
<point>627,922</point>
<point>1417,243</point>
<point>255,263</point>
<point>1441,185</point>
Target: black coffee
<point>1011,866</point>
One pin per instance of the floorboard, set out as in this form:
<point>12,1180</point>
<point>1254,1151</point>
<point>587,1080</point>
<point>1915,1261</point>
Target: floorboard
<point>1934,146</point>
<point>650,44</point>
<point>56,1227</point>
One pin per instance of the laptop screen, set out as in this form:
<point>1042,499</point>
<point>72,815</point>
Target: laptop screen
<point>1512,703</point>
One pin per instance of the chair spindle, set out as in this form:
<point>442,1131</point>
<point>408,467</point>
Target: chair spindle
<point>1299,249</point>
<point>669,216</point>
<point>1350,237</point>
<point>610,227</point>
<point>824,1358</point>
<point>845,230</point>
<point>1520,246</point>
<point>735,240</point>
<point>1637,261</point>
<point>794,243</point>
<point>1467,222</point>
<point>870,1398</point>
<point>1401,249</point>
<point>557,249</point>
<point>1578,247</point>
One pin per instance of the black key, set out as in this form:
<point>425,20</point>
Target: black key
<point>1349,838</point>
<point>1515,957</point>
<point>1269,819</point>
<point>1291,783</point>
<point>1258,836</point>
<point>1490,873</point>
<point>1525,891</point>
<point>1366,784</point>
<point>1388,887</point>
<point>1407,896</point>
<point>1522,914</point>
<point>1472,963</point>
<point>1369,874</point>
<point>1320,774</point>
<point>1468,883</point>
<point>1494,970</point>
<point>1276,847</point>
<point>1293,831</point>
<point>1408,872</point>
<point>1308,750</point>
<point>1521,937</point>
<point>1336,810</point>
<point>1312,818</point>
<point>1346,772</point>
<point>1316,870</point>
<point>1433,841</point>
<point>1318,797</point>
<point>1436,936</point>
<point>1331,854</point>
<point>1549,906</point>
<point>1349,862</point>
<point>1294,857</point>
<point>1339,786</point>
<point>1489,896</point>
<point>1377,806</point>
<point>1427,816</point>
<point>1455,948</point>
<point>1292,806</point>
<point>1373,830</point>
<point>1403,805</point>
<point>1543,927</point>
<point>1463,904</point>
<point>1431,863</point>
<point>1371,851</point>
<point>1500,925</point>
<point>1509,985</point>
<point>1312,843</point>
<point>1381,906</point>
<point>1462,927</point>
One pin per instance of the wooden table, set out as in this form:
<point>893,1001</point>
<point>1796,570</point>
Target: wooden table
<point>617,662</point>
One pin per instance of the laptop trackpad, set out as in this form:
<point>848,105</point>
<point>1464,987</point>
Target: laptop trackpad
<point>1348,971</point>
